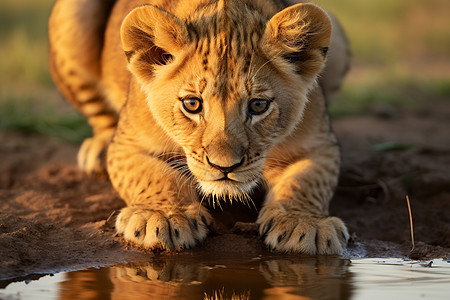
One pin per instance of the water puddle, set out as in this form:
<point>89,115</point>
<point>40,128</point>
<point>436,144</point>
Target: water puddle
<point>188,277</point>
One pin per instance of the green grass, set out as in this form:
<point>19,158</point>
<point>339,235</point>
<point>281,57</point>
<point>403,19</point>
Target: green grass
<point>26,62</point>
<point>28,99</point>
<point>24,46</point>
<point>401,54</point>
<point>378,96</point>
<point>22,114</point>
<point>387,31</point>
<point>440,88</point>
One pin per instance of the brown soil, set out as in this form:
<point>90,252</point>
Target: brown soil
<point>53,218</point>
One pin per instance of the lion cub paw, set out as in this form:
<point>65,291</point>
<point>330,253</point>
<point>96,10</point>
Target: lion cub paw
<point>300,233</point>
<point>91,156</point>
<point>153,229</point>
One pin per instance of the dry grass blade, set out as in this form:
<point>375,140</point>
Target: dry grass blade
<point>411,224</point>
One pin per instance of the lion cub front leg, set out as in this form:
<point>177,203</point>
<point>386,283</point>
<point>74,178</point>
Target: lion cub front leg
<point>295,215</point>
<point>163,210</point>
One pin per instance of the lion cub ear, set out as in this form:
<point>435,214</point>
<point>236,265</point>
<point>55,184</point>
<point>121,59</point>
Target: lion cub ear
<point>151,36</point>
<point>300,34</point>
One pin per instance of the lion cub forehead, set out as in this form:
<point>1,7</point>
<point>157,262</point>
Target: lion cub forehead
<point>225,15</point>
<point>223,27</point>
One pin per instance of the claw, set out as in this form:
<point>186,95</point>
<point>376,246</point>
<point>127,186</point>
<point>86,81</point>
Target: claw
<point>301,237</point>
<point>344,237</point>
<point>268,227</point>
<point>281,237</point>
<point>194,222</point>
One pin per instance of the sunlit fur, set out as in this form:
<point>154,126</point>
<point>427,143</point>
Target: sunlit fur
<point>165,161</point>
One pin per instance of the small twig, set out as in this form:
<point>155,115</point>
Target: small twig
<point>411,223</point>
<point>108,221</point>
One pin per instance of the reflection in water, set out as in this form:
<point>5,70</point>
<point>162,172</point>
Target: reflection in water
<point>318,278</point>
<point>87,284</point>
<point>277,277</point>
<point>221,295</point>
<point>186,278</point>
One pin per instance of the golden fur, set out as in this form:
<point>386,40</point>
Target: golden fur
<point>215,98</point>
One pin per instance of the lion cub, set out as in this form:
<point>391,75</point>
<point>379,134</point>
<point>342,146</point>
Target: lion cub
<point>206,98</point>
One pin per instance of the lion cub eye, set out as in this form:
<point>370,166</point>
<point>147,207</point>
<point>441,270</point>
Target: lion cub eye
<point>258,106</point>
<point>192,105</point>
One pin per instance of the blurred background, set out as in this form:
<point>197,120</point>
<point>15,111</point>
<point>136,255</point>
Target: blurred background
<point>401,61</point>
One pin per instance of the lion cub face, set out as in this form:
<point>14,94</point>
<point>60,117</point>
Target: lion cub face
<point>226,83</point>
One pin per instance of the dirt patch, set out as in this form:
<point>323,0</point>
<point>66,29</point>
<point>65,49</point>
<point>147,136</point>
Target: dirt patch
<point>53,218</point>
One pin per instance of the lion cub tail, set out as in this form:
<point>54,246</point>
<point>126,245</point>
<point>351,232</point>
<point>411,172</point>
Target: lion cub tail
<point>76,34</point>
<point>76,37</point>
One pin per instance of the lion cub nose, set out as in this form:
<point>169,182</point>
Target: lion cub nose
<point>225,169</point>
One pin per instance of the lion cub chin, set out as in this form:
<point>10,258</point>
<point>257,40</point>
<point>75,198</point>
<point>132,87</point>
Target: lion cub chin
<point>195,99</point>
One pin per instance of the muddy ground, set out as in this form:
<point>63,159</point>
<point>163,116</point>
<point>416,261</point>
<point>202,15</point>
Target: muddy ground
<point>53,218</point>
